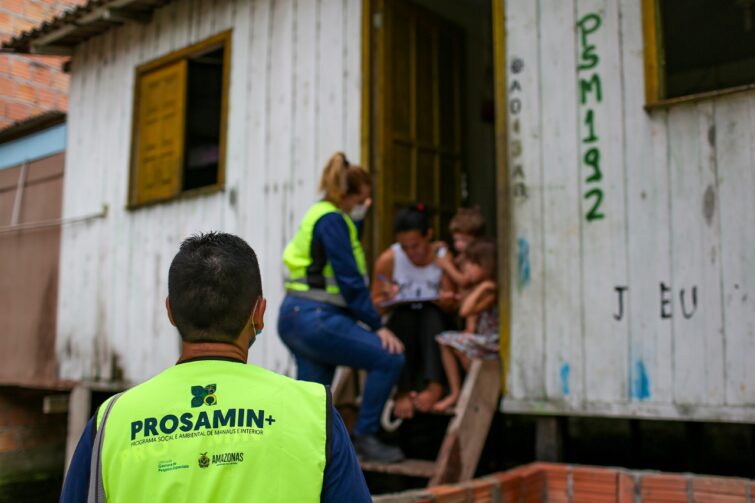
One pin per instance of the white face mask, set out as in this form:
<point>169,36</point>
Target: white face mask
<point>358,212</point>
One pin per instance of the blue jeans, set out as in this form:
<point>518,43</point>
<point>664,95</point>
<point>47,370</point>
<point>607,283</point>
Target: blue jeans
<point>322,336</point>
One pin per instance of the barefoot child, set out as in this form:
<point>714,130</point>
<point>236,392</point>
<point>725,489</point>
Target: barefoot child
<point>480,309</point>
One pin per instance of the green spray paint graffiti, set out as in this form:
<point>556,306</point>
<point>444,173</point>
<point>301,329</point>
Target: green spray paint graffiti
<point>590,93</point>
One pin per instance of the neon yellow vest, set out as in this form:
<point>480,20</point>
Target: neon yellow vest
<point>215,430</point>
<point>298,257</point>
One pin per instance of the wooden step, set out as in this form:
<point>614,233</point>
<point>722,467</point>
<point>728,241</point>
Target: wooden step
<point>448,412</point>
<point>408,467</point>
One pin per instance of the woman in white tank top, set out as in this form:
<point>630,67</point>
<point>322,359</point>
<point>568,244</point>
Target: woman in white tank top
<point>412,292</point>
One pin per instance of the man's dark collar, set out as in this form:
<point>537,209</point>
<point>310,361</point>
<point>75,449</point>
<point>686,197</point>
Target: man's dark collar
<point>211,357</point>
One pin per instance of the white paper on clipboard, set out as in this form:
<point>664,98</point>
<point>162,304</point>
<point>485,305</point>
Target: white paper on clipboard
<point>395,302</point>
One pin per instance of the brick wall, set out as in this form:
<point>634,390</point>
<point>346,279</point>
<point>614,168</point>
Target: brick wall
<point>32,446</point>
<point>558,483</point>
<point>30,85</point>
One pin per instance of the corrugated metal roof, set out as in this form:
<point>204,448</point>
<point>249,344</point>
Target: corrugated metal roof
<point>67,30</point>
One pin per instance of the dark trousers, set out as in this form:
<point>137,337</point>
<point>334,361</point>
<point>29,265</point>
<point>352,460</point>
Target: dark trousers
<point>417,325</point>
<point>322,336</point>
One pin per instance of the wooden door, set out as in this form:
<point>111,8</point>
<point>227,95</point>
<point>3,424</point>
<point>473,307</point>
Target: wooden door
<point>418,65</point>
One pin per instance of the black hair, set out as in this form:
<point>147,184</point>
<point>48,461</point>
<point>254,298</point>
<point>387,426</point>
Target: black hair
<point>213,284</point>
<point>412,218</point>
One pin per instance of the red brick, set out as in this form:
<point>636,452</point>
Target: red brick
<point>533,487</point>
<point>449,494</point>
<point>666,488</point>
<point>21,24</point>
<point>594,484</point>
<point>18,111</point>
<point>38,11</point>
<point>557,482</point>
<point>4,20</point>
<point>719,485</point>
<point>60,81</point>
<point>46,98</point>
<point>717,498</point>
<point>15,414</point>
<point>483,490</point>
<point>8,441</point>
<point>41,75</point>
<point>4,64</point>
<point>24,92</point>
<point>62,102</point>
<point>20,68</point>
<point>6,87</point>
<point>510,483</point>
<point>15,6</point>
<point>626,488</point>
<point>48,61</point>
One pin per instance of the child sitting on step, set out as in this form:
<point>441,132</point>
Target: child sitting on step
<point>466,225</point>
<point>479,307</point>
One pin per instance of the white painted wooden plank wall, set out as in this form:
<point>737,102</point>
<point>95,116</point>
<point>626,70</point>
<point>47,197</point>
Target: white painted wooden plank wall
<point>525,170</point>
<point>563,358</point>
<point>294,100</point>
<point>675,245</point>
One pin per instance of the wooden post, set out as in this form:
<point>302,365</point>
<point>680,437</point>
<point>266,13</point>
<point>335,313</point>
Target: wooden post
<point>79,404</point>
<point>548,439</point>
<point>468,430</point>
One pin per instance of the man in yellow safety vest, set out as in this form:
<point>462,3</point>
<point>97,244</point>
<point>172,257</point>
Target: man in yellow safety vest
<point>212,428</point>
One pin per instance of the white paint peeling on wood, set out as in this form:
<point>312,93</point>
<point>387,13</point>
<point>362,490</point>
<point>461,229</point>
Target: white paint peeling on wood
<point>114,272</point>
<point>525,168</point>
<point>677,188</point>
<point>678,206</point>
<point>735,159</point>
<point>564,350</point>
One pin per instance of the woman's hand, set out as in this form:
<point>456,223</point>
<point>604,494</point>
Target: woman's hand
<point>389,341</point>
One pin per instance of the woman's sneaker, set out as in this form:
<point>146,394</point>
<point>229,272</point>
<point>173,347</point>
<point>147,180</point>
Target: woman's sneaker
<point>371,448</point>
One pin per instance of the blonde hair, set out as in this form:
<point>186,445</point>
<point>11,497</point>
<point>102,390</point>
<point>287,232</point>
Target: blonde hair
<point>340,178</point>
<point>468,221</point>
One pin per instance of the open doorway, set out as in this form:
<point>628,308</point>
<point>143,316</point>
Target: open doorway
<point>431,135</point>
<point>431,102</point>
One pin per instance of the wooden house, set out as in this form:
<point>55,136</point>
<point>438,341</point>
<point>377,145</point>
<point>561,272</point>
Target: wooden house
<point>611,152</point>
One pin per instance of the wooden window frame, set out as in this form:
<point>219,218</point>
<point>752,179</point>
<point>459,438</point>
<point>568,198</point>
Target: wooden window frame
<point>655,73</point>
<point>222,39</point>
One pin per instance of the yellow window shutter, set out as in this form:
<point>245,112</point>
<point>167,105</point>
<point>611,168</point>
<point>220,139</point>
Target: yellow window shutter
<point>159,135</point>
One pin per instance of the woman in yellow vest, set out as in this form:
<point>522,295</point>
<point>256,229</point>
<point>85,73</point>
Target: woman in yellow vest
<point>327,318</point>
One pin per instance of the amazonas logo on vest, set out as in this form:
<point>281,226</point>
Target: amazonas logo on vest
<point>204,395</point>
